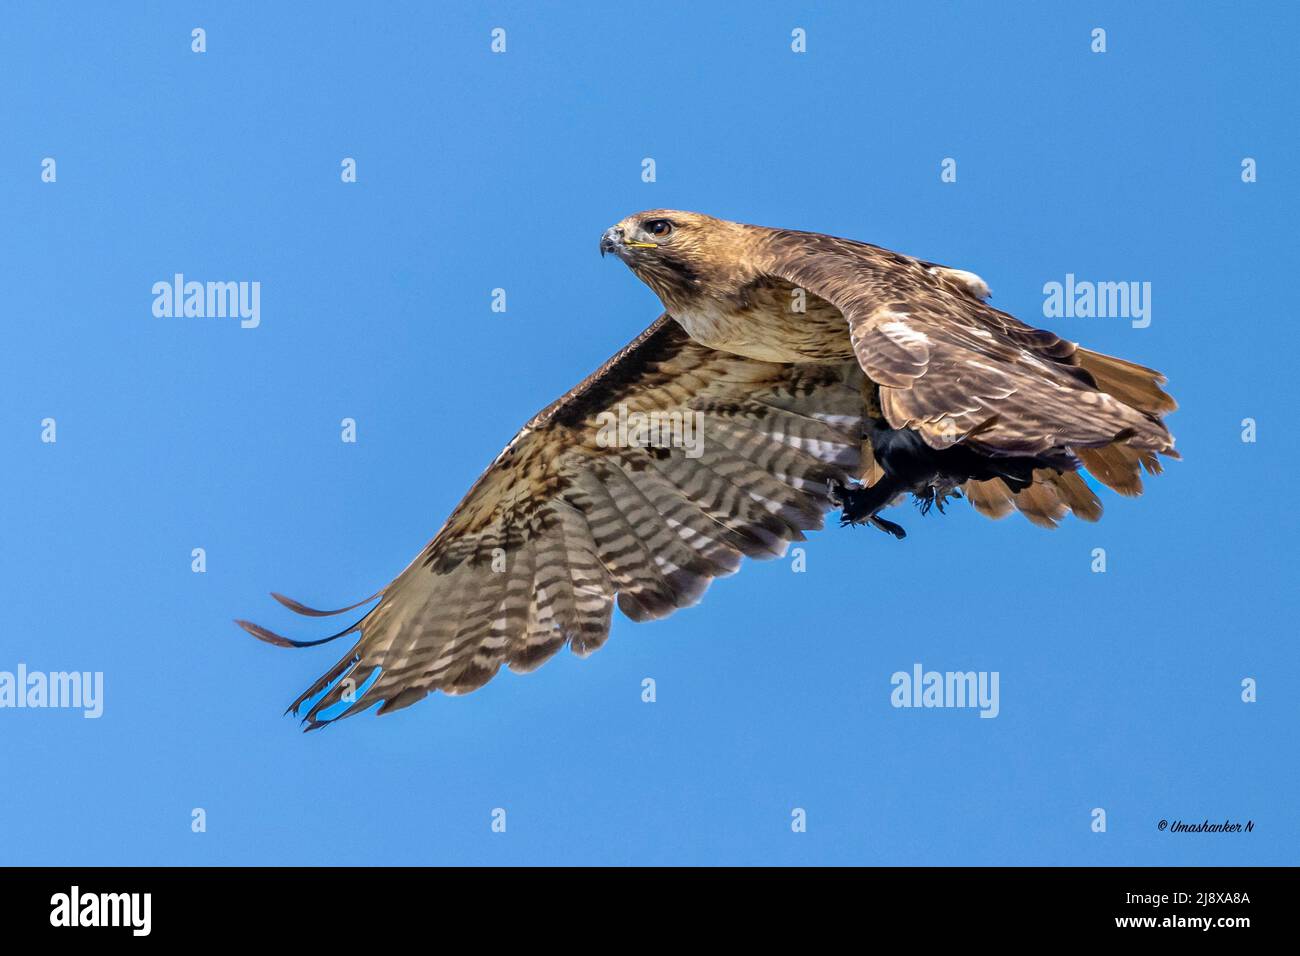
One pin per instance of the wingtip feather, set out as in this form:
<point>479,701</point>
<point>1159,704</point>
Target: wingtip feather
<point>270,637</point>
<point>299,608</point>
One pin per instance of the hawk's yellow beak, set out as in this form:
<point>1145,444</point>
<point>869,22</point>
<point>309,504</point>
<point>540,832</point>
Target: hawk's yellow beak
<point>641,245</point>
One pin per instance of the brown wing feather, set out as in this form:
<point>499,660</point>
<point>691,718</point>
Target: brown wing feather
<point>560,527</point>
<point>948,364</point>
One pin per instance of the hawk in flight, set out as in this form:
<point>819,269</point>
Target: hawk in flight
<point>824,373</point>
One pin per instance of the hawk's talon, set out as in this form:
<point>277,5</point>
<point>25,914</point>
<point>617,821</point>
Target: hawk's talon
<point>860,506</point>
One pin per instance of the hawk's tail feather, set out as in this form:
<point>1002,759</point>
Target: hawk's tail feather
<point>1135,385</point>
<point>1052,496</point>
<point>1120,467</point>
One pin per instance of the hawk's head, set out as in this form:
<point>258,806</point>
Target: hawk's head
<point>683,255</point>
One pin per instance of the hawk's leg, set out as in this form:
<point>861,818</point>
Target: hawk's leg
<point>860,505</point>
<point>934,497</point>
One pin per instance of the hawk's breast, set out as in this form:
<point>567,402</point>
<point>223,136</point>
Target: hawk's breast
<point>771,321</point>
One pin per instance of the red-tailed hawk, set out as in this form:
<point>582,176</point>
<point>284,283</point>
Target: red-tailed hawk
<point>793,372</point>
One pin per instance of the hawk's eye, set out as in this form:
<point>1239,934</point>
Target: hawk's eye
<point>659,227</point>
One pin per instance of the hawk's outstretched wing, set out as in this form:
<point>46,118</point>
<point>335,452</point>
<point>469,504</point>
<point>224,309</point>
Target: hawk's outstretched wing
<point>954,368</point>
<point>571,517</point>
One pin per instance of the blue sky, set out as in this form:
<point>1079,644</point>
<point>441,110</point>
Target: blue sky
<point>475,171</point>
